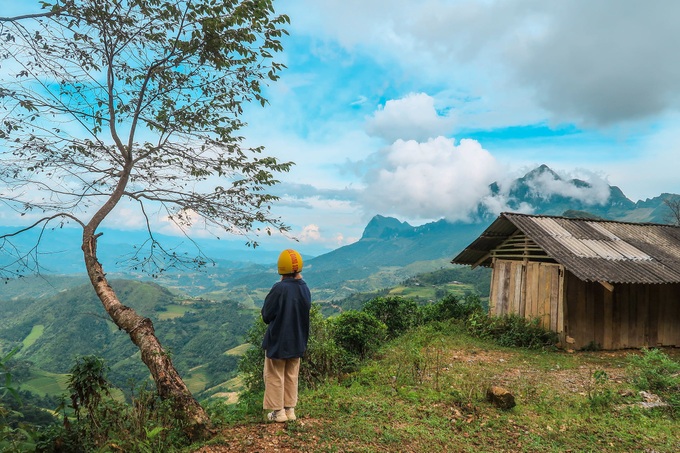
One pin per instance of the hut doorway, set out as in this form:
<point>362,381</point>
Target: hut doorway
<point>530,289</point>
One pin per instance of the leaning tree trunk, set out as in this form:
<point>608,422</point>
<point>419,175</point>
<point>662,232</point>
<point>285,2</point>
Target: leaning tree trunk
<point>169,384</point>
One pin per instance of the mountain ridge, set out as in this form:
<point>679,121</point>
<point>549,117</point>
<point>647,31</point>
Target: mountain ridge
<point>391,250</point>
<point>388,242</point>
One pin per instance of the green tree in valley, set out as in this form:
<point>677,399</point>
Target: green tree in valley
<point>136,103</point>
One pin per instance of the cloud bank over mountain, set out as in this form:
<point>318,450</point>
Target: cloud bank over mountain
<point>432,179</point>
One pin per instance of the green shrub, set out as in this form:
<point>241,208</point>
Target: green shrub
<point>451,307</point>
<point>601,396</point>
<point>359,332</point>
<point>654,371</point>
<point>146,424</point>
<point>13,438</point>
<point>6,375</point>
<point>397,313</point>
<point>511,330</point>
<point>324,358</point>
<point>88,385</point>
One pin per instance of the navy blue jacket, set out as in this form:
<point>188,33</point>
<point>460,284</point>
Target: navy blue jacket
<point>286,311</point>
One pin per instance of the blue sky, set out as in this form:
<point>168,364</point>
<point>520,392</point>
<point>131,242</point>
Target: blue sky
<point>412,108</point>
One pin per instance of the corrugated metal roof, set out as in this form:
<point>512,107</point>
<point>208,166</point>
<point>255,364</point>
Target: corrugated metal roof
<point>593,250</point>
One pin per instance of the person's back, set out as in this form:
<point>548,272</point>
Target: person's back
<point>286,312</point>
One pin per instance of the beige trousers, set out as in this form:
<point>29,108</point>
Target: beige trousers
<point>280,383</point>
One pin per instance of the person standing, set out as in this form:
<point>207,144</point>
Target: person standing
<point>286,313</point>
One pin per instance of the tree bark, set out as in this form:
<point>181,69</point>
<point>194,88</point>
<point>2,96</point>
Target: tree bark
<point>169,384</point>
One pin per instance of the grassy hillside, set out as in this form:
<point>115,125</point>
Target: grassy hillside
<point>426,392</point>
<point>203,335</point>
<point>52,331</point>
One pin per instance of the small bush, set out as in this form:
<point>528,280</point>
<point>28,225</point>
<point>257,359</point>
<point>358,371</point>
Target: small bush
<point>324,358</point>
<point>601,396</point>
<point>654,371</point>
<point>146,424</point>
<point>397,313</point>
<point>451,307</point>
<point>359,333</point>
<point>511,330</point>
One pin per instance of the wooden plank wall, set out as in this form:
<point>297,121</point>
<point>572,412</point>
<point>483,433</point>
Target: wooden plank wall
<point>632,316</point>
<point>531,290</point>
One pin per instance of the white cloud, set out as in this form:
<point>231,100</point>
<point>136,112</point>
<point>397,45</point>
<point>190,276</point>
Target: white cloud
<point>413,117</point>
<point>595,192</point>
<point>430,180</point>
<point>310,233</point>
<point>590,63</point>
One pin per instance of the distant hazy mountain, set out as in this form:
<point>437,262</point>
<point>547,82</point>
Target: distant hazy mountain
<point>545,192</point>
<point>59,251</point>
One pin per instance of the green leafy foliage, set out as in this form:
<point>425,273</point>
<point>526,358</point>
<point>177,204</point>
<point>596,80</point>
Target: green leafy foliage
<point>145,424</point>
<point>6,376</point>
<point>359,333</point>
<point>87,384</point>
<point>397,313</point>
<point>13,437</point>
<point>324,358</point>
<point>656,372</point>
<point>601,396</point>
<point>511,330</point>
<point>452,307</point>
<point>327,357</point>
<point>252,362</point>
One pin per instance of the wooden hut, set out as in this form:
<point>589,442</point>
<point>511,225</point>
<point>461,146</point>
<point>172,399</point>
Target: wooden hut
<point>612,285</point>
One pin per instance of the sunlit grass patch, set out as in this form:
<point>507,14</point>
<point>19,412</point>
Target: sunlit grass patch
<point>36,332</point>
<point>173,311</point>
<point>45,383</point>
<point>239,350</point>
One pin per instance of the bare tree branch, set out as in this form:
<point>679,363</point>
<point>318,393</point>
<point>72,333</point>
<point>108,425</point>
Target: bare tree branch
<point>672,202</point>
